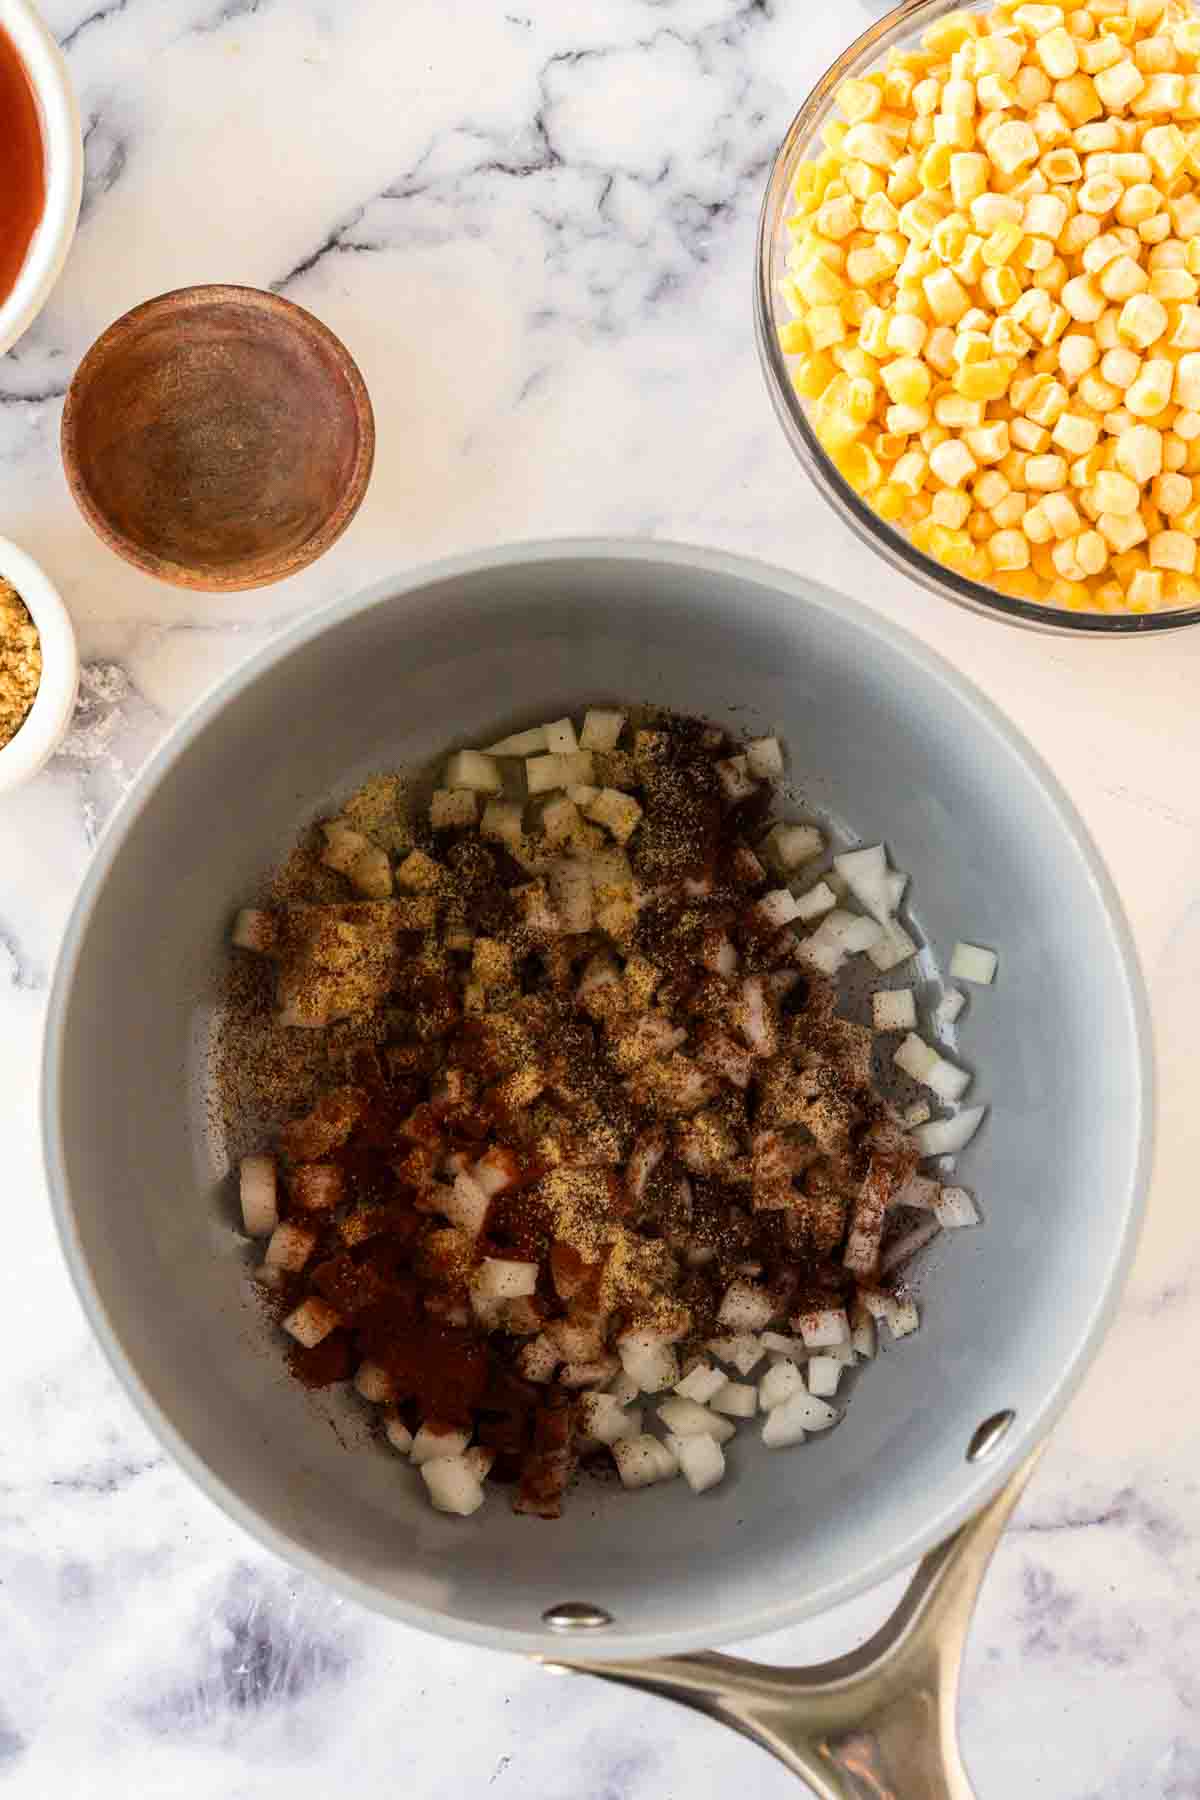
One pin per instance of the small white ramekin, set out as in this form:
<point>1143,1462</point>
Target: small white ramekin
<point>59,113</point>
<point>48,718</point>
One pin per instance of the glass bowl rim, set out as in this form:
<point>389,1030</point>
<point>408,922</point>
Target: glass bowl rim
<point>895,548</point>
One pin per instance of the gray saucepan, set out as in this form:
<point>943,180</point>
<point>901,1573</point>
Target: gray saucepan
<point>886,741</point>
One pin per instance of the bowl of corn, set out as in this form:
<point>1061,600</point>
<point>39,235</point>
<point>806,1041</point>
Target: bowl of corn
<point>978,304</point>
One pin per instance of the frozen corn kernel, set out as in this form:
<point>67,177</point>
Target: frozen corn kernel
<point>1139,453</point>
<point>1173,550</point>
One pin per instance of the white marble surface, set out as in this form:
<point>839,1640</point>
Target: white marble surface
<point>534,229</point>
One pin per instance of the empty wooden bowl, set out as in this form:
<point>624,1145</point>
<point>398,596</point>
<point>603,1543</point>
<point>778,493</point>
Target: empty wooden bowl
<point>218,437</point>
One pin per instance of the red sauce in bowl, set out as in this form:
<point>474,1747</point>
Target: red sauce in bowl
<point>22,166</point>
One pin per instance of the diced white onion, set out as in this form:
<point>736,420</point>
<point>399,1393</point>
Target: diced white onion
<point>601,729</point>
<point>538,1359</point>
<point>790,845</point>
<point>915,1057</point>
<point>863,1339</point>
<point>791,1347</point>
<point>560,738</point>
<point>902,1249</point>
<point>743,1352</point>
<point>624,1388</point>
<point>466,1204</point>
<point>946,1137</point>
<point>827,1325</point>
<point>734,777</point>
<point>738,1399</point>
<point>503,822</point>
<point>469,769</point>
<point>746,1308</point>
<point>902,1317</point>
<point>578,768</point>
<point>894,1009</point>
<point>701,1460</point>
<point>434,1441</point>
<point>949,1007</point>
<point>777,908</point>
<point>311,1322</point>
<point>651,1363</point>
<point>582,793</point>
<point>764,758</point>
<point>894,887</point>
<point>618,813</point>
<point>970,963</point>
<point>521,743</point>
<point>700,1383</point>
<point>500,1279</point>
<point>544,773</point>
<point>851,931</point>
<point>917,1114</point>
<point>779,1383</point>
<point>823,1374</point>
<point>819,899</point>
<point>451,809</point>
<point>688,1419</point>
<point>639,1460</point>
<point>865,873</point>
<point>956,1208</point>
<point>920,1191</point>
<point>803,1411</point>
<point>290,1247</point>
<point>893,948</point>
<point>454,1486</point>
<point>260,1204</point>
<point>601,1416</point>
<point>946,1081</point>
<point>398,1435</point>
<point>570,883</point>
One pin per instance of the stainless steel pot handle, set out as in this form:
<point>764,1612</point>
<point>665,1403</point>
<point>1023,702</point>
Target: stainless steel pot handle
<point>879,1724</point>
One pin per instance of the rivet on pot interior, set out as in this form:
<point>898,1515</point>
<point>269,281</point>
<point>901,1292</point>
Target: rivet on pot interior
<point>987,1436</point>
<point>576,1615</point>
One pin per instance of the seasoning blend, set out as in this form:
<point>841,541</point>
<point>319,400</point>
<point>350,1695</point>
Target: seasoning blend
<point>20,662</point>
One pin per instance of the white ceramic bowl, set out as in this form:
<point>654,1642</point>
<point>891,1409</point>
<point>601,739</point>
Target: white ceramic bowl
<point>59,114</point>
<point>48,718</point>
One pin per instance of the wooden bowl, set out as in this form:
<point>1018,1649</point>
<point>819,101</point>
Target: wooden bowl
<point>218,438</point>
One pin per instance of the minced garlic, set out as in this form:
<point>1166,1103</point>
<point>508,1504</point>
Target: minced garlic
<point>20,662</point>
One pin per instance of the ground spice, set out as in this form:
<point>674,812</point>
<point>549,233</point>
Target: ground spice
<point>20,662</point>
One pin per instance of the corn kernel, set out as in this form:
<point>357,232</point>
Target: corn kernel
<point>1116,493</point>
<point>826,326</point>
<point>1060,515</point>
<point>1172,494</point>
<point>1012,145</point>
<point>1008,550</point>
<point>952,463</point>
<point>1075,434</point>
<point>1122,278</point>
<point>951,507</point>
<point>1119,84</point>
<point>1142,322</point>
<point>907,381</point>
<point>867,143</point>
<point>1046,472</point>
<point>1139,453</point>
<point>903,421</point>
<point>947,298</point>
<point>1145,591</point>
<point>859,100</point>
<point>1173,550</point>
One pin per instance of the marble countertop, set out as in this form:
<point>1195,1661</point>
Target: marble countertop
<point>534,229</point>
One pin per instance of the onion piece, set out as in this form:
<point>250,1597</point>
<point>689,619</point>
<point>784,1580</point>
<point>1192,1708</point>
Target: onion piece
<point>620,814</point>
<point>701,1461</point>
<point>397,1434</point>
<point>777,908</point>
<point>260,1202</point>
<point>894,887</point>
<point>894,1009</point>
<point>863,1338</point>
<point>436,1439</point>
<point>603,1417</point>
<point>764,758</point>
<point>955,1208</point>
<point>503,822</point>
<point>949,1007</point>
<point>311,1322</point>
<point>468,769</point>
<point>560,737</point>
<point>643,1460</point>
<point>544,773</point>
<point>742,1352</point>
<point>823,1374</point>
<point>865,873</point>
<point>453,809</point>
<point>776,1344</point>
<point>623,1388</point>
<point>894,947</point>
<point>521,743</point>
<point>946,1137</point>
<point>700,1383</point>
<point>499,1278</point>
<point>686,1418</point>
<point>746,1308</point>
<point>739,1399</point>
<point>290,1247</point>
<point>255,929</point>
<point>819,899</point>
<point>779,1383</point>
<point>826,1325</point>
<point>570,884</point>
<point>902,1316</point>
<point>648,1361</point>
<point>538,1359</point>
<point>917,1114</point>
<point>734,776</point>
<point>946,1081</point>
<point>790,845</point>
<point>970,963</point>
<point>454,1486</point>
<point>902,1249</point>
<point>601,728</point>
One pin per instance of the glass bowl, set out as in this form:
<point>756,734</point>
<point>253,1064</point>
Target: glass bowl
<point>803,140</point>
